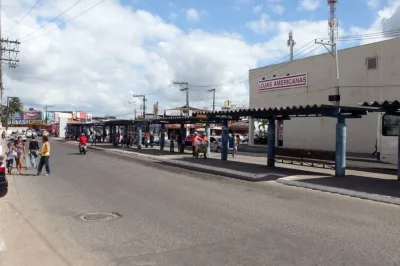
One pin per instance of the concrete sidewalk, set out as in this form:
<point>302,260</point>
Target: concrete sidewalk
<point>368,183</point>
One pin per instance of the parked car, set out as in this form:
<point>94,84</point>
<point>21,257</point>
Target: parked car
<point>3,181</point>
<point>40,132</point>
<point>215,143</point>
<point>29,133</point>
<point>156,141</point>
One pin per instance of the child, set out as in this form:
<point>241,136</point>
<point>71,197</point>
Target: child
<point>10,153</point>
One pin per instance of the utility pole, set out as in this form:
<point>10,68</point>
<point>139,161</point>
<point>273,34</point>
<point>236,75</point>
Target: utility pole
<point>291,43</point>
<point>333,32</point>
<point>134,109</point>
<point>213,91</point>
<point>144,103</point>
<point>8,53</point>
<point>187,93</point>
<point>45,108</point>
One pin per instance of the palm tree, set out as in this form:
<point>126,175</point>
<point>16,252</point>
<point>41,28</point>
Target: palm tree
<point>14,106</point>
<point>263,124</point>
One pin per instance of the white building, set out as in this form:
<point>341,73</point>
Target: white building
<point>367,73</point>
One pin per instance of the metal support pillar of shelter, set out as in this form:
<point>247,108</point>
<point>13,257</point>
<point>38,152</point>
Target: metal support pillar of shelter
<point>139,139</point>
<point>398,154</point>
<point>224,144</point>
<point>208,137</point>
<point>125,131</point>
<point>271,142</point>
<point>340,155</point>
<point>183,134</point>
<point>162,137</point>
<point>104,134</point>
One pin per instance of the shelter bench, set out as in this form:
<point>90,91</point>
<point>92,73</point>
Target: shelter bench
<point>314,158</point>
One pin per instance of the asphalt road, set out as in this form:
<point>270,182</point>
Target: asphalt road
<point>172,216</point>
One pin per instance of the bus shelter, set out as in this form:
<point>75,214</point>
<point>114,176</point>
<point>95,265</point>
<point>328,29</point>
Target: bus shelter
<point>128,126</point>
<point>391,108</point>
<point>77,127</point>
<point>183,120</point>
<point>341,113</point>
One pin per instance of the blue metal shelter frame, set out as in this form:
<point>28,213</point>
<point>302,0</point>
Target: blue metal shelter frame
<point>126,123</point>
<point>182,120</point>
<point>341,113</point>
<point>392,108</point>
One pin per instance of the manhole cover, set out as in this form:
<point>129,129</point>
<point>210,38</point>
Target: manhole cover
<point>100,216</point>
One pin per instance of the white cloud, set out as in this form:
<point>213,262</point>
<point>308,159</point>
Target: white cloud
<point>373,3</point>
<point>257,9</point>
<point>95,61</point>
<point>192,15</point>
<point>172,16</point>
<point>385,25</point>
<point>309,5</point>
<point>279,9</point>
<point>261,26</point>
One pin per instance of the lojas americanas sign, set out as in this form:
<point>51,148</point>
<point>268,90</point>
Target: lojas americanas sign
<point>298,80</point>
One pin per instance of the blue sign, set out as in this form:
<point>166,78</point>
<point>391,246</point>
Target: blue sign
<point>50,117</point>
<point>17,122</point>
<point>18,116</point>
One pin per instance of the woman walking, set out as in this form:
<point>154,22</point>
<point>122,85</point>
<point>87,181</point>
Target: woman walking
<point>20,146</point>
<point>33,151</point>
<point>45,155</point>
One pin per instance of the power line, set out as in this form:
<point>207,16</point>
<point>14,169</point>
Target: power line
<point>62,24</point>
<point>48,22</point>
<point>22,18</point>
<point>244,78</point>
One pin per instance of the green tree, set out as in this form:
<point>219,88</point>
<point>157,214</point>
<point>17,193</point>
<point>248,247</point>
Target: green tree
<point>14,106</point>
<point>263,124</point>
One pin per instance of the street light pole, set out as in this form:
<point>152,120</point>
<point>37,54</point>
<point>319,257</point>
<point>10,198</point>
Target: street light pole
<point>46,107</point>
<point>213,91</point>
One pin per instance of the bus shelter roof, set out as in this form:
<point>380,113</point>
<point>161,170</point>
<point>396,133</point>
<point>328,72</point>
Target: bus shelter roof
<point>383,106</point>
<point>125,122</point>
<point>289,112</point>
<point>185,120</point>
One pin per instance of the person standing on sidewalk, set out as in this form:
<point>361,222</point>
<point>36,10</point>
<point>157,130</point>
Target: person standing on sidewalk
<point>20,153</point>
<point>45,155</point>
<point>33,151</point>
<point>10,154</point>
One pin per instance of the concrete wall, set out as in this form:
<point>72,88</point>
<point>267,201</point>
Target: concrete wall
<point>358,84</point>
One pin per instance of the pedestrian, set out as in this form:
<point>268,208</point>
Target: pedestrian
<point>33,151</point>
<point>10,154</point>
<point>20,146</point>
<point>237,143</point>
<point>94,138</point>
<point>44,156</point>
<point>171,142</point>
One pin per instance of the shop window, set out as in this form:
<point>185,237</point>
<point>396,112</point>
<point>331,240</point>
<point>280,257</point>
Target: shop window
<point>372,63</point>
<point>390,125</point>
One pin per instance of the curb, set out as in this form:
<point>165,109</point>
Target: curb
<point>195,167</point>
<point>290,181</point>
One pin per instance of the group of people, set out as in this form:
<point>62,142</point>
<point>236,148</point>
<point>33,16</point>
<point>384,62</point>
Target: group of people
<point>16,151</point>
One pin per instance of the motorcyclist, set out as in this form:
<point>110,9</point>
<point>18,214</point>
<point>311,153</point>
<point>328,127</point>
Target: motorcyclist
<point>82,140</point>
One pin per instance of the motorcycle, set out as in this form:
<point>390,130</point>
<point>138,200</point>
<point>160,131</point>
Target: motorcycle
<point>82,149</point>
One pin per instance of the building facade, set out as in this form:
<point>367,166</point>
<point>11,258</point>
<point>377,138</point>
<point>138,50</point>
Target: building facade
<point>367,73</point>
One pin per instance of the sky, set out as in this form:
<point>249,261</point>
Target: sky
<point>93,55</point>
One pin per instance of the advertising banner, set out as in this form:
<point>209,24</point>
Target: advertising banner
<point>17,122</point>
<point>32,115</point>
<point>89,118</point>
<point>291,81</point>
<point>18,116</point>
<point>82,116</point>
<point>37,122</point>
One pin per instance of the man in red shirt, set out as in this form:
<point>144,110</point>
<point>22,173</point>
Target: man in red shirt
<point>82,139</point>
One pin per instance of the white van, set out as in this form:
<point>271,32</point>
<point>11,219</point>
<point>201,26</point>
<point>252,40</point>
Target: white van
<point>387,137</point>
